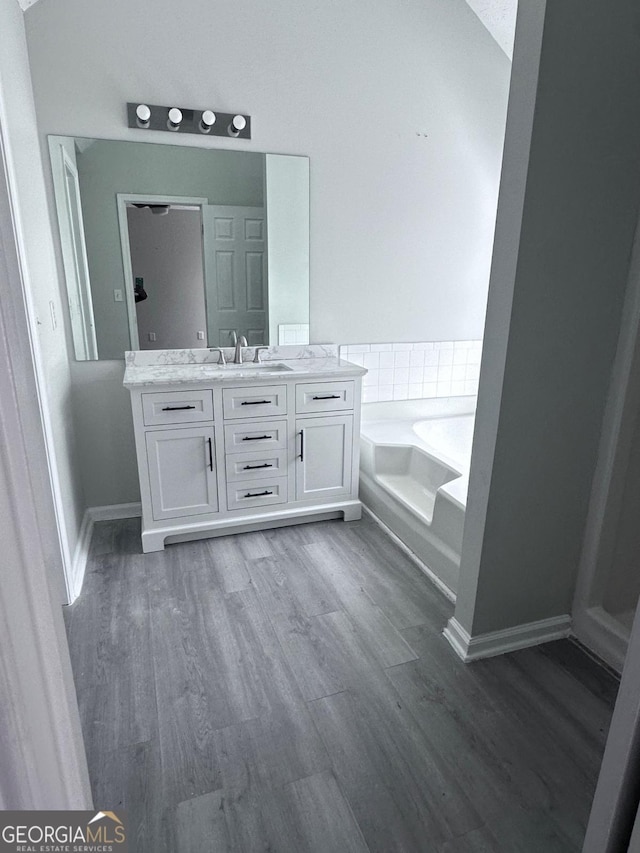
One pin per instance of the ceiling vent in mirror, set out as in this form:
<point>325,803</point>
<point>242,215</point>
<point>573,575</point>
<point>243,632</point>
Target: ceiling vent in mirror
<point>182,120</point>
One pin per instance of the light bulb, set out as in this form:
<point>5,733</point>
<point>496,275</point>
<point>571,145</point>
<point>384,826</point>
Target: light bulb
<point>238,123</point>
<point>175,117</point>
<point>207,120</point>
<point>143,113</point>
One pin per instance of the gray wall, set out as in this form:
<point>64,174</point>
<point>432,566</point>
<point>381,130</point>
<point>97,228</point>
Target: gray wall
<point>622,587</point>
<point>166,251</point>
<point>108,168</point>
<point>26,175</point>
<point>528,505</point>
<point>399,105</point>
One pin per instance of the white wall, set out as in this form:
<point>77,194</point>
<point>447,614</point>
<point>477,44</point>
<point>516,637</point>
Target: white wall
<point>35,234</point>
<point>399,105</point>
<point>566,221</point>
<point>41,750</point>
<point>499,17</point>
<point>166,251</point>
<point>287,191</point>
<point>354,86</point>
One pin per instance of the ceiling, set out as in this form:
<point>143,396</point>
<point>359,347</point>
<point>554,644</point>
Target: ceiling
<point>499,17</point>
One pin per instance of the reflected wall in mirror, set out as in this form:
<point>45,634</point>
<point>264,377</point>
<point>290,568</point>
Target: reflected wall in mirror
<point>174,247</point>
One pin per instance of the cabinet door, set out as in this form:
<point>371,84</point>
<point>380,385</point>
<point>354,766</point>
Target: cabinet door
<point>323,461</point>
<point>182,472</point>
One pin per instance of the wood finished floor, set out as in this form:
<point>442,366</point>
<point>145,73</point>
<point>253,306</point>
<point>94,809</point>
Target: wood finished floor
<point>291,691</point>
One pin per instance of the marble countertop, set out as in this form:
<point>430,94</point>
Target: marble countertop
<point>307,368</point>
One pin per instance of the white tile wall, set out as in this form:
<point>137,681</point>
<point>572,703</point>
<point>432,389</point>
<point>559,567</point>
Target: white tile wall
<point>293,333</point>
<point>413,371</point>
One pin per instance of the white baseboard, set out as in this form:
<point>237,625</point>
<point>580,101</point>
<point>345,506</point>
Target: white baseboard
<point>494,643</point>
<point>433,577</point>
<point>80,557</point>
<point>81,554</point>
<point>115,511</point>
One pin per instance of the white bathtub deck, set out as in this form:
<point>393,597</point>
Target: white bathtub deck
<point>415,460</point>
<point>447,439</point>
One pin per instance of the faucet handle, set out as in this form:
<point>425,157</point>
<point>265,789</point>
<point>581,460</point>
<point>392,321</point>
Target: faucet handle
<point>221,358</point>
<point>256,357</point>
<point>242,341</point>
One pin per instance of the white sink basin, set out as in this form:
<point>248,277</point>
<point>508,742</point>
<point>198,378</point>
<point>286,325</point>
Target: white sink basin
<point>266,367</point>
<point>249,369</point>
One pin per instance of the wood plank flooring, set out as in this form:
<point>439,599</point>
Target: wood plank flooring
<point>291,691</point>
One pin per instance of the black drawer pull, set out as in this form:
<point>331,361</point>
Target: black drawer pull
<point>256,437</point>
<point>253,467</point>
<point>177,408</point>
<point>255,402</point>
<point>257,494</point>
<point>328,397</point>
<point>210,453</point>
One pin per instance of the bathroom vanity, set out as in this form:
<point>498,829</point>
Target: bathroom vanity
<point>230,448</point>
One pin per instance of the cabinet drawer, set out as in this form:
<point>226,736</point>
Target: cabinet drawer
<point>259,401</point>
<point>256,466</point>
<point>177,407</point>
<point>247,437</point>
<point>324,397</point>
<point>257,493</point>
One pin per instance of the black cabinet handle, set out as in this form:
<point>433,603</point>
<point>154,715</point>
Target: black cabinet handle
<point>256,437</point>
<point>253,467</point>
<point>210,453</point>
<point>255,402</point>
<point>328,397</point>
<point>257,494</point>
<point>302,445</point>
<point>177,408</point>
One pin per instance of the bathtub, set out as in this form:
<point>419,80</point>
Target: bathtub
<point>414,476</point>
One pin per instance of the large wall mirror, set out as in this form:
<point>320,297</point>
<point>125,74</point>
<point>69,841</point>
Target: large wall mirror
<point>173,247</point>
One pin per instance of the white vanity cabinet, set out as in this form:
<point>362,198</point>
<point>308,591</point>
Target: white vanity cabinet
<point>238,456</point>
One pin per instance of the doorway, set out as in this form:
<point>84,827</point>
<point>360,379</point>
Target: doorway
<point>194,273</point>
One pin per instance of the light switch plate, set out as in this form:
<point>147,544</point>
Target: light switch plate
<point>117,296</point>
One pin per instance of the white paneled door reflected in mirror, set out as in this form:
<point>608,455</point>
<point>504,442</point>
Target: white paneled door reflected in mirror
<point>175,247</point>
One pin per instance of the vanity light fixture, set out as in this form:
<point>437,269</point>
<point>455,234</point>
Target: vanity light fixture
<point>183,120</point>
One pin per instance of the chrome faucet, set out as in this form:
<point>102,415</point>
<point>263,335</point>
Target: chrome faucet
<point>240,342</point>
